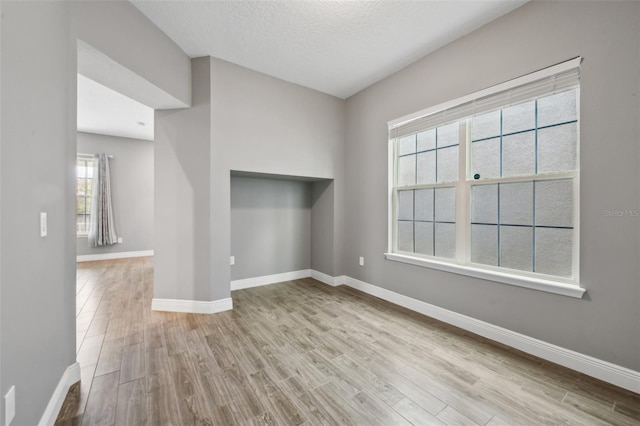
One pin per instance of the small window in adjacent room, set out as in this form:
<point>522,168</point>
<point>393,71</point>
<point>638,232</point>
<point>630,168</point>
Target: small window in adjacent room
<point>84,183</point>
<point>487,185</point>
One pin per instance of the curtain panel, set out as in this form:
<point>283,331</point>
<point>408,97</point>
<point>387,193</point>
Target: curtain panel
<point>102,229</point>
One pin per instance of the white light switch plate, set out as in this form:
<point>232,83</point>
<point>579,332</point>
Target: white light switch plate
<point>232,260</point>
<point>361,261</point>
<point>43,224</point>
<point>10,406</point>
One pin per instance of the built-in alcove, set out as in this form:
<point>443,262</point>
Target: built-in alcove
<point>280,224</point>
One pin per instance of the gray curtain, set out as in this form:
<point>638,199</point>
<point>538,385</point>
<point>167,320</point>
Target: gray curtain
<point>102,229</point>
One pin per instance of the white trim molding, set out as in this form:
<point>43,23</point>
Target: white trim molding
<point>108,256</point>
<point>269,279</point>
<point>70,376</point>
<point>533,283</point>
<point>594,367</point>
<point>192,306</point>
<point>327,279</point>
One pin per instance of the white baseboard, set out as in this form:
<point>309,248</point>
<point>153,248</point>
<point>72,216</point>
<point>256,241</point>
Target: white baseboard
<point>594,367</point>
<point>192,306</point>
<point>108,256</point>
<point>327,279</point>
<point>70,376</point>
<point>269,279</point>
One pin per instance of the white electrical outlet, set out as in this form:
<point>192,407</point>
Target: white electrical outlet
<point>119,240</point>
<point>361,261</point>
<point>10,406</point>
<point>232,260</point>
<point>43,224</point>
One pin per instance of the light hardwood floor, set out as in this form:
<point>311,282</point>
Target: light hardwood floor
<point>301,352</point>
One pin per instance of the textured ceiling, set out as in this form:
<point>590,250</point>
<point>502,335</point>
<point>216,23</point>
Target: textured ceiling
<point>336,47</point>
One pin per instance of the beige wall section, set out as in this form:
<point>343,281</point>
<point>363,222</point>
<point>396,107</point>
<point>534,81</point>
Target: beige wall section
<point>605,323</point>
<point>121,32</point>
<point>37,274</point>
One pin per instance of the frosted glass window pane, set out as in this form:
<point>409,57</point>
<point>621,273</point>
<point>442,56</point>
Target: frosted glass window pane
<point>485,126</point>
<point>445,204</point>
<point>485,158</point>
<point>407,170</point>
<point>554,251</point>
<point>424,204</point>
<point>445,240</point>
<point>407,145</point>
<point>424,238</point>
<point>557,148</point>
<point>519,117</point>
<point>405,236</point>
<point>558,108</point>
<point>516,248</point>
<point>519,154</point>
<point>484,204</point>
<point>554,203</point>
<point>427,140</point>
<point>448,135</point>
<point>405,205</point>
<point>484,244</point>
<point>516,203</point>
<point>448,163</point>
<point>426,167</point>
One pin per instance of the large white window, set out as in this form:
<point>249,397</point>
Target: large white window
<point>487,185</point>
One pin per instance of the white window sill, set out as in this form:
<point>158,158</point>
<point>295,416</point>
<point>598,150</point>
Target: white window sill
<point>82,235</point>
<point>501,277</point>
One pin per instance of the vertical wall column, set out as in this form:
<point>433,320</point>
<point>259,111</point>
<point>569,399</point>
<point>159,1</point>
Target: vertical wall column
<point>183,203</point>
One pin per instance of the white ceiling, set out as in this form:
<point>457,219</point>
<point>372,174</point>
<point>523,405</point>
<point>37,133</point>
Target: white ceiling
<point>104,111</point>
<point>336,47</point>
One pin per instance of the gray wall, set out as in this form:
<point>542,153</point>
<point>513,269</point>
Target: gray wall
<point>120,31</point>
<point>37,275</point>
<point>605,323</point>
<point>38,116</point>
<point>245,121</point>
<point>266,125</point>
<point>182,238</point>
<point>132,191</point>
<point>323,228</point>
<point>270,226</point>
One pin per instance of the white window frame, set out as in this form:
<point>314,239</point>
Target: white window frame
<point>461,263</point>
<point>82,157</point>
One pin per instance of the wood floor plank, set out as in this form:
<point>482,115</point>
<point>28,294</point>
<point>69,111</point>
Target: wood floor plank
<point>192,407</point>
<point>375,411</point>
<point>276,401</point>
<point>110,357</point>
<point>305,401</point>
<point>101,405</point>
<point>451,417</point>
<point>367,380</point>
<point>132,366</point>
<point>162,406</point>
<point>131,409</point>
<point>415,414</point>
<point>99,324</point>
<point>304,353</point>
<point>89,352</point>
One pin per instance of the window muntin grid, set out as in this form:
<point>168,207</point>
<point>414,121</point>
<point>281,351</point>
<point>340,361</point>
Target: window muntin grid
<point>84,184</point>
<point>535,143</point>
